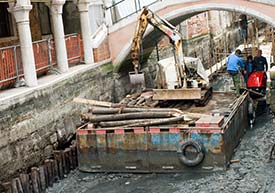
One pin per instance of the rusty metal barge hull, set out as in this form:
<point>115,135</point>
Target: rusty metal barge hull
<point>156,149</point>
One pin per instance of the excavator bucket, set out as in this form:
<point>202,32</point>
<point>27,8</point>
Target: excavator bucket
<point>137,78</point>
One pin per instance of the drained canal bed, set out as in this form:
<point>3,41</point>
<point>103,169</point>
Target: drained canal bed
<point>254,173</point>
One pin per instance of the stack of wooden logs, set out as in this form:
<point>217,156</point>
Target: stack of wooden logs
<point>139,100</point>
<point>41,177</point>
<point>137,110</point>
<point>131,117</point>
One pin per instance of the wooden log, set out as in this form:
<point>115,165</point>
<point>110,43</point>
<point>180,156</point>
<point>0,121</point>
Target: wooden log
<point>153,104</point>
<point>151,123</point>
<point>123,123</point>
<point>188,117</point>
<point>42,178</point>
<point>159,122</point>
<point>58,158</point>
<point>49,171</point>
<point>132,103</point>
<point>95,102</point>
<point>7,187</point>
<point>35,180</point>
<point>140,101</point>
<point>25,182</point>
<point>98,118</point>
<point>102,110</point>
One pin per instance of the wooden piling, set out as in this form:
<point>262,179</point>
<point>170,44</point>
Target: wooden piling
<point>46,175</point>
<point>67,159</point>
<point>35,180</point>
<point>16,186</point>
<point>49,171</point>
<point>73,147</point>
<point>25,182</point>
<point>70,158</point>
<point>7,187</point>
<point>58,158</point>
<point>55,170</point>
<point>64,163</point>
<point>42,178</point>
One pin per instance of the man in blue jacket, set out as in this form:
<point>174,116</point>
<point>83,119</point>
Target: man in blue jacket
<point>234,66</point>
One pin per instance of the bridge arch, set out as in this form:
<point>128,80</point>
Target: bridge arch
<point>177,11</point>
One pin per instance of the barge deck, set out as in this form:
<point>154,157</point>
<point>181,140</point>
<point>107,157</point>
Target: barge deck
<point>210,140</point>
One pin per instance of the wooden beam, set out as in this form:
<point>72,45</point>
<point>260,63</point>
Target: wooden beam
<point>177,94</point>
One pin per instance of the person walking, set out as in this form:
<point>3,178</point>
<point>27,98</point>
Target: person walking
<point>234,66</point>
<point>244,27</point>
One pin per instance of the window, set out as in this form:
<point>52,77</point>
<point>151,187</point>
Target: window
<point>44,16</point>
<point>5,21</point>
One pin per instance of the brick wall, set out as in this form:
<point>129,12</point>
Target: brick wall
<point>102,52</point>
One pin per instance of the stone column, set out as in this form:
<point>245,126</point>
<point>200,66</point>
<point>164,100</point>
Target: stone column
<point>21,15</point>
<point>83,7</point>
<point>58,33</point>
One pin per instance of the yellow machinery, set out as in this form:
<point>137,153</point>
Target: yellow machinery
<point>183,83</point>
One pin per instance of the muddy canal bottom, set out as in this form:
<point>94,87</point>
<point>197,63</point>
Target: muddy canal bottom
<point>254,172</point>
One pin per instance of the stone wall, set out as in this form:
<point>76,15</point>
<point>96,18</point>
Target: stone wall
<point>31,126</point>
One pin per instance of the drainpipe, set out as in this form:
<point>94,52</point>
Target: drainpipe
<point>21,15</point>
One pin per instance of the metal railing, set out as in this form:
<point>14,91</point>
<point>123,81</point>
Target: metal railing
<point>11,66</point>
<point>125,8</point>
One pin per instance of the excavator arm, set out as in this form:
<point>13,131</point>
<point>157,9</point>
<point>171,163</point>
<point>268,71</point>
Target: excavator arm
<point>147,16</point>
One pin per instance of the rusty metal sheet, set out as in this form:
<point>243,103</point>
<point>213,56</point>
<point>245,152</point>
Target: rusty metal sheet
<point>234,127</point>
<point>177,94</point>
<point>164,141</point>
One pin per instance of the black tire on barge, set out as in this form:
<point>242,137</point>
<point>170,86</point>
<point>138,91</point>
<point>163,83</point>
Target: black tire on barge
<point>185,158</point>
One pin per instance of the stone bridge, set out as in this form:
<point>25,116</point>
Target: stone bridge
<point>175,11</point>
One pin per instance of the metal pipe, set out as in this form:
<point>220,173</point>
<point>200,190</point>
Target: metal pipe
<point>50,53</point>
<point>16,64</point>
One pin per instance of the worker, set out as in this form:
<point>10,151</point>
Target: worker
<point>248,67</point>
<point>260,62</point>
<point>234,66</point>
<point>244,26</point>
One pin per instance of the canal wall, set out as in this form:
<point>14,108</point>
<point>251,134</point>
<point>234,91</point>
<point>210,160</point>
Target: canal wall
<point>41,119</point>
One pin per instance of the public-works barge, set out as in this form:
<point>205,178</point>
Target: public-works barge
<point>205,140</point>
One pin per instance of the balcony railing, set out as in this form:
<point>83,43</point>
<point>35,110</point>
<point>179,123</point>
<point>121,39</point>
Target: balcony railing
<point>11,67</point>
<point>125,8</point>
